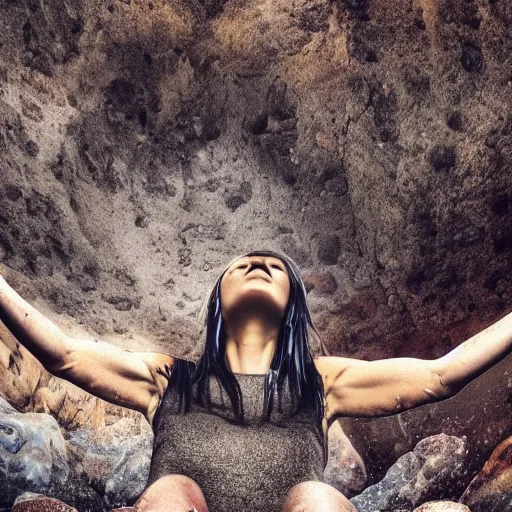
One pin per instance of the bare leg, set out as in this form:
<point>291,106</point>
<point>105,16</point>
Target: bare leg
<point>172,493</point>
<point>312,496</point>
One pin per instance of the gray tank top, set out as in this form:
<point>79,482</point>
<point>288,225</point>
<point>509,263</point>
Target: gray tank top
<point>243,467</point>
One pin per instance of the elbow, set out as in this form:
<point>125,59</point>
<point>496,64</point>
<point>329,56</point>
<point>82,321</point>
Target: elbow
<point>61,365</point>
<point>57,368</point>
<point>441,387</point>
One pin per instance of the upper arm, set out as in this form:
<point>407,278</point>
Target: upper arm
<point>378,388</point>
<point>136,380</point>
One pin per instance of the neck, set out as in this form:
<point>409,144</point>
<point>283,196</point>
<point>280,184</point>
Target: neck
<point>250,346</point>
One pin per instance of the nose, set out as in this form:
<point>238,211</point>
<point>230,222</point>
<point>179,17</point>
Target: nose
<point>255,264</point>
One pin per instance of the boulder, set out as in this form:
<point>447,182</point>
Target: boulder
<point>34,458</point>
<point>491,489</point>
<point>424,474</point>
<point>481,412</point>
<point>33,502</point>
<point>442,506</point>
<point>114,461</point>
<point>345,469</point>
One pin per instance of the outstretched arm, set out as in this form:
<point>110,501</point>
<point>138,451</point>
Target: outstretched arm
<point>378,388</point>
<point>131,379</point>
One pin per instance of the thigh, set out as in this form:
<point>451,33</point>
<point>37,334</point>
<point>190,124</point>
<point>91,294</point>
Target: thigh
<point>313,496</point>
<point>172,493</point>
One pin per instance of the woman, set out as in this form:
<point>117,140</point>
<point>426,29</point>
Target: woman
<point>246,428</point>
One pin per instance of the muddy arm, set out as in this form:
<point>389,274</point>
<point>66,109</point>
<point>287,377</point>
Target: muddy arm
<point>389,386</point>
<point>131,379</point>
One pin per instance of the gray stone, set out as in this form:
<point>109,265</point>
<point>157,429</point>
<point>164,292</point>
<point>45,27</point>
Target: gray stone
<point>34,456</point>
<point>442,506</point>
<point>345,469</point>
<point>115,460</point>
<point>424,474</point>
<point>490,489</point>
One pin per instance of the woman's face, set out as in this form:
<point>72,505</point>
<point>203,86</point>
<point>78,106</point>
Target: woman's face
<point>255,283</point>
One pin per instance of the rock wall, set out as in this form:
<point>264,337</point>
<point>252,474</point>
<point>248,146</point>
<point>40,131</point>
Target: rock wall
<point>144,144</point>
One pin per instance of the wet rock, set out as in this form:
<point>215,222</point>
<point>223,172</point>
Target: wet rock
<point>114,461</point>
<point>442,506</point>
<point>33,502</point>
<point>345,469</point>
<point>381,441</point>
<point>174,102</point>
<point>34,458</point>
<point>421,475</point>
<point>490,490</point>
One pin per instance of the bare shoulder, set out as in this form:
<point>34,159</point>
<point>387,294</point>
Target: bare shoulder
<point>329,363</point>
<point>159,360</point>
<point>160,365</point>
<point>331,367</point>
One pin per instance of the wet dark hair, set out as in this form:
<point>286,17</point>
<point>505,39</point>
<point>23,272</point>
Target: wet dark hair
<point>292,359</point>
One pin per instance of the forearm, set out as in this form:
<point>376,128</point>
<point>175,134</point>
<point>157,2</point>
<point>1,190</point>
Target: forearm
<point>475,355</point>
<point>36,332</point>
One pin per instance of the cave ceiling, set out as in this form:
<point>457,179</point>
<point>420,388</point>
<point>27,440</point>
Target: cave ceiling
<point>145,144</point>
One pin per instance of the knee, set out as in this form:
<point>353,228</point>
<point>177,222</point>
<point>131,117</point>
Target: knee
<point>312,496</point>
<point>173,493</point>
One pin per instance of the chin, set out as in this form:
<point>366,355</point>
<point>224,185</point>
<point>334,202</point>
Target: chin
<point>263,302</point>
